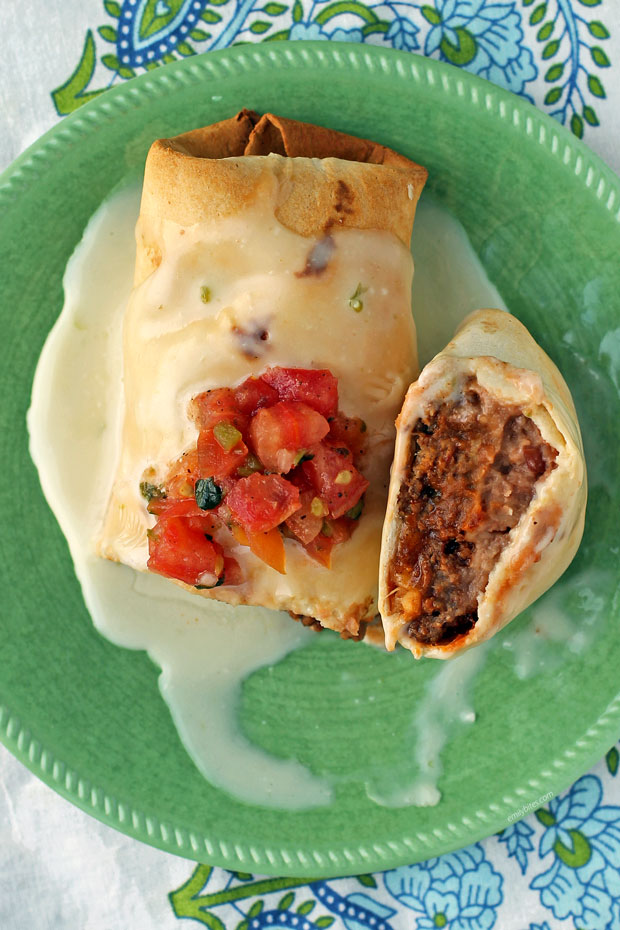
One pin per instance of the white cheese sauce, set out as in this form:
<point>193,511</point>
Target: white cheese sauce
<point>447,702</point>
<point>206,649</point>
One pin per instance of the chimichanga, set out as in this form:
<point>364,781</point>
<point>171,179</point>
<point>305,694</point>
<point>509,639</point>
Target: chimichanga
<point>488,490</point>
<point>295,266</point>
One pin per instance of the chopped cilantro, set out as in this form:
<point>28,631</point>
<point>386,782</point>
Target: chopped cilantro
<point>150,491</point>
<point>355,302</point>
<point>208,494</point>
<point>356,511</point>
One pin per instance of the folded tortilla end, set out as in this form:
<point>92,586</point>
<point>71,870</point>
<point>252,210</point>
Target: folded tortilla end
<point>217,170</point>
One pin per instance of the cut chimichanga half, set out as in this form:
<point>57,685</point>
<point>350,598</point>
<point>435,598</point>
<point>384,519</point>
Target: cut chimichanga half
<point>291,269</point>
<point>487,493</point>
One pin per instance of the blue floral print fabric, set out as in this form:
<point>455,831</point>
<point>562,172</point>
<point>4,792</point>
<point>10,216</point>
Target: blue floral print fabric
<point>555,53</point>
<point>560,866</point>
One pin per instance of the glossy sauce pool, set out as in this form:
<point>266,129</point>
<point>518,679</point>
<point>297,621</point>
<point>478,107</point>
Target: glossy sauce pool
<point>206,649</point>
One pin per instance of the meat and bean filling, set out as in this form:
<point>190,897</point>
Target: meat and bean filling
<point>474,464</point>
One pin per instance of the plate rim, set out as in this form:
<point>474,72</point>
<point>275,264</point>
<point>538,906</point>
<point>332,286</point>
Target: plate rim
<point>574,157</point>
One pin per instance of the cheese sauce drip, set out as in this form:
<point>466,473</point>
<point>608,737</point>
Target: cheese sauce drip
<point>206,649</point>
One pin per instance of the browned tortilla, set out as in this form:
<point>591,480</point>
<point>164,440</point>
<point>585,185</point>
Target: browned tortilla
<point>247,133</point>
<point>218,171</point>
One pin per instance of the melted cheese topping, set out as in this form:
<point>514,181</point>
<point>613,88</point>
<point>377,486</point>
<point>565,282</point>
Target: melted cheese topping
<point>176,345</point>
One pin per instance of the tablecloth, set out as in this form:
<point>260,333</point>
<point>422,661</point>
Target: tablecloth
<point>559,866</point>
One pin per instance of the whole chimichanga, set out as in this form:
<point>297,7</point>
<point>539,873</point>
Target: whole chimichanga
<point>295,266</point>
<point>488,490</point>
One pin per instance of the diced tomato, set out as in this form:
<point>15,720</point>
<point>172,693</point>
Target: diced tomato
<point>255,393</point>
<point>320,549</point>
<point>305,524</point>
<point>340,530</point>
<point>206,523</point>
<point>347,431</point>
<point>281,432</point>
<point>224,513</point>
<point>261,502</point>
<point>335,478</point>
<point>333,533</point>
<point>232,572</point>
<point>282,415</point>
<point>165,507</point>
<point>297,477</point>
<point>217,406</point>
<point>178,550</point>
<point>267,546</point>
<point>216,462</point>
<point>316,387</point>
<point>182,476</point>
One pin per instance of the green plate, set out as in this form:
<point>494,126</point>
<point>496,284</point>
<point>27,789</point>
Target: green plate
<point>543,214</point>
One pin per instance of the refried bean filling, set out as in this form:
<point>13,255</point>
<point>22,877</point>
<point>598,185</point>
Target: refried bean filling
<point>473,467</point>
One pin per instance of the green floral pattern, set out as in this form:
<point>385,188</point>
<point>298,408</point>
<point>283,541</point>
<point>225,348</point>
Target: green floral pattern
<point>551,52</point>
<point>567,855</point>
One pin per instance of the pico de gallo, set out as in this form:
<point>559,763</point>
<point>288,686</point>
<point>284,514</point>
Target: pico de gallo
<point>274,458</point>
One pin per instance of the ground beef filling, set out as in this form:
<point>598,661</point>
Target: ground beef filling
<point>474,464</point>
